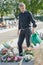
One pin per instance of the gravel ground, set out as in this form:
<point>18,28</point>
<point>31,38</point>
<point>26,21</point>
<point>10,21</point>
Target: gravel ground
<point>9,36</point>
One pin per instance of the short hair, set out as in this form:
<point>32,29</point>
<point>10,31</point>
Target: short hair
<point>21,4</point>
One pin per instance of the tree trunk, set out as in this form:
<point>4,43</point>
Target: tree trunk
<point>1,18</point>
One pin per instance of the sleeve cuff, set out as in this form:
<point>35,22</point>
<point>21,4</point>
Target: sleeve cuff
<point>34,25</point>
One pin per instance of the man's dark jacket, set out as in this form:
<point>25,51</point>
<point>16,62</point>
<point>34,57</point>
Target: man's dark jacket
<point>25,20</point>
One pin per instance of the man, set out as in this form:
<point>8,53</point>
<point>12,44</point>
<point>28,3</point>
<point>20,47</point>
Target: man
<point>25,19</point>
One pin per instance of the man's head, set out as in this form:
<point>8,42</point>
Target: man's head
<point>22,7</point>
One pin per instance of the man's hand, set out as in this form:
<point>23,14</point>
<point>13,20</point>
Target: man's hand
<point>33,30</point>
<point>18,32</point>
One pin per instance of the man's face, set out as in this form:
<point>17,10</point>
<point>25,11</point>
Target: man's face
<point>22,8</point>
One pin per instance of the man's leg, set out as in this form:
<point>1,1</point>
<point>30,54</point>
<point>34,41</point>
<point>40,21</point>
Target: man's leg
<point>28,35</point>
<point>20,41</point>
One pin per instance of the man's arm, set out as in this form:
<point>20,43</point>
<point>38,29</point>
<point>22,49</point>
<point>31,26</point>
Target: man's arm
<point>33,21</point>
<point>19,27</point>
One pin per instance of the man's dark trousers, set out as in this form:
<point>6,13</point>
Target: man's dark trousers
<point>25,33</point>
